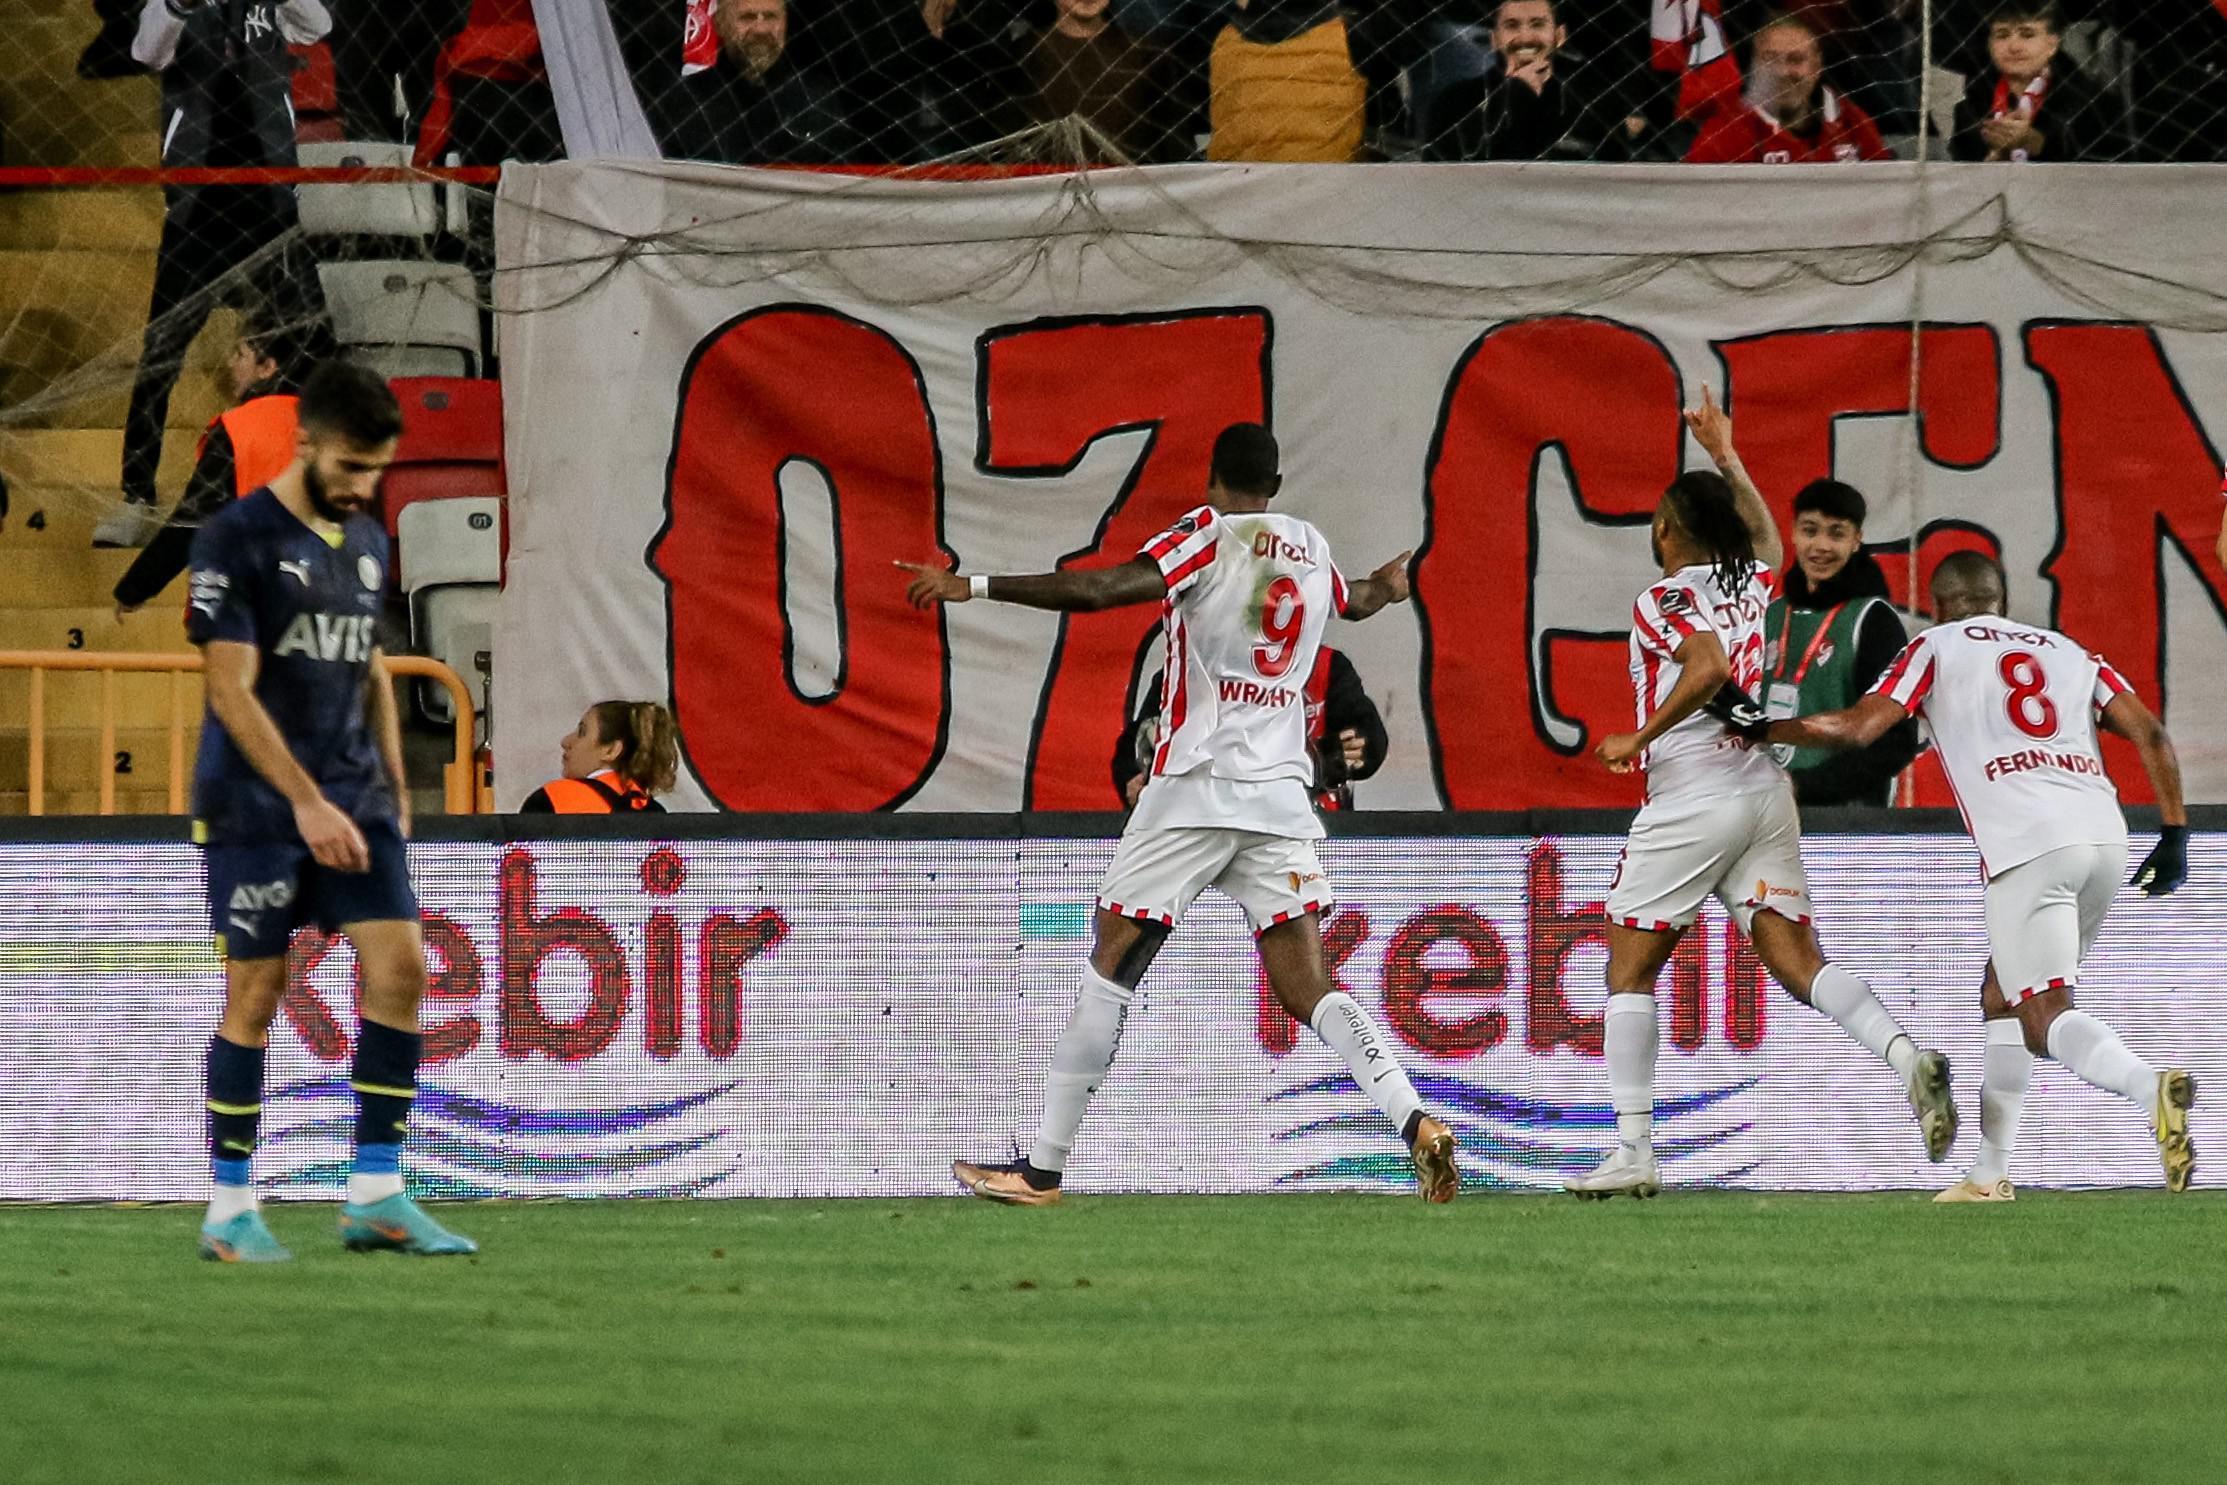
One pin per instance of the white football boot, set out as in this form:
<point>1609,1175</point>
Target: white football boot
<point>1626,1172</point>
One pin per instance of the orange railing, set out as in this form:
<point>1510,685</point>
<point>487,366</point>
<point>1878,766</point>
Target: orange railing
<point>459,781</point>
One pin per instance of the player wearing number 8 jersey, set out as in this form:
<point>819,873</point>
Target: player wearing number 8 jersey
<point>2013,709</point>
<point>1244,595</point>
<point>1719,819</point>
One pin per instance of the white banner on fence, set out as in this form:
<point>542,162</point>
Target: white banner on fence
<point>776,1018</point>
<point>736,396</point>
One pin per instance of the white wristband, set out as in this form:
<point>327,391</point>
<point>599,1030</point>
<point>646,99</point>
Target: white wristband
<point>978,586</point>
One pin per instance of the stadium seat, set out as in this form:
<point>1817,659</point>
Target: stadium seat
<point>316,95</point>
<point>407,486</point>
<point>405,209</point>
<point>452,449</point>
<point>405,318</point>
<point>451,551</point>
<point>450,420</point>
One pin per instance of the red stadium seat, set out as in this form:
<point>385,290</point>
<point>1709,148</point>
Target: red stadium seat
<point>450,420</point>
<point>452,446</point>
<point>316,95</point>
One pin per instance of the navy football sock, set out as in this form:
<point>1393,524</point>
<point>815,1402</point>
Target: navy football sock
<point>385,1077</point>
<point>235,1098</point>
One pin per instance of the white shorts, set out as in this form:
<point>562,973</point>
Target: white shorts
<point>2043,916</point>
<point>1157,874</point>
<point>1746,850</point>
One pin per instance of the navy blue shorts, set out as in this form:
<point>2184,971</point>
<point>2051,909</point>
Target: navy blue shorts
<point>260,893</point>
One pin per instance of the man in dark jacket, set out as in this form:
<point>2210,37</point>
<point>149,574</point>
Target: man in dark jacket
<point>1827,639</point>
<point>227,91</point>
<point>1538,103</point>
<point>756,105</point>
<point>2032,103</point>
<point>1344,731</point>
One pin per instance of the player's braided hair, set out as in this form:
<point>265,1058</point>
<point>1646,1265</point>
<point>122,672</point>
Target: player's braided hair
<point>649,743</point>
<point>1702,503</point>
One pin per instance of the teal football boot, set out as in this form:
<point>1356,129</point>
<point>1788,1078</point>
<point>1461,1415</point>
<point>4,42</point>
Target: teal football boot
<point>244,1239</point>
<point>398,1223</point>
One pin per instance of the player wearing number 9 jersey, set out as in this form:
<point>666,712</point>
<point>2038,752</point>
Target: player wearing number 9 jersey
<point>2013,709</point>
<point>1244,595</point>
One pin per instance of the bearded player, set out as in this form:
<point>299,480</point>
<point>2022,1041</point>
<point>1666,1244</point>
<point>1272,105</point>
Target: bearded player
<point>299,800</point>
<point>1719,818</point>
<point>2013,709</point>
<point>1244,595</point>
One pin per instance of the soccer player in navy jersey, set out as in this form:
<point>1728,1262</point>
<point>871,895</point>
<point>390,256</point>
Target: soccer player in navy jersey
<point>300,803</point>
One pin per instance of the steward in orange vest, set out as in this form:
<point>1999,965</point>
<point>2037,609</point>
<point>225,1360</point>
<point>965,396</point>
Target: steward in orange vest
<point>603,793</point>
<point>621,756</point>
<point>242,451</point>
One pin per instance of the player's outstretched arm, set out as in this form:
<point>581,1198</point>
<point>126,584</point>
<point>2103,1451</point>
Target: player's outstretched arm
<point>1712,429</point>
<point>1078,590</point>
<point>2165,869</point>
<point>1857,726</point>
<point>229,669</point>
<point>1387,585</point>
<point>1703,669</point>
<point>386,729</point>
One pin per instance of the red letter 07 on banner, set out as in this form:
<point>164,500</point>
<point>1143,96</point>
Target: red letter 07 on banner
<point>795,385</point>
<point>1051,388</point>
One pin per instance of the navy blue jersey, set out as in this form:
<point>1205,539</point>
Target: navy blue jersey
<point>260,576</point>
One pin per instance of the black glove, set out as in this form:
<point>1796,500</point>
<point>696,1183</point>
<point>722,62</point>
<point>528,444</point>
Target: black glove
<point>1741,716</point>
<point>2165,869</point>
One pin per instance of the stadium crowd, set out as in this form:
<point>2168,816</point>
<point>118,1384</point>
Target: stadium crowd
<point>906,81</point>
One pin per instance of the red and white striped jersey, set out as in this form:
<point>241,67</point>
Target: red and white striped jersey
<point>1248,597</point>
<point>1699,758</point>
<point>2013,711</point>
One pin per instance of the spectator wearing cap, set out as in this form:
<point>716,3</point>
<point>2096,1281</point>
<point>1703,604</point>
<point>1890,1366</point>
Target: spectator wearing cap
<point>1790,115</point>
<point>2032,103</point>
<point>227,100</point>
<point>243,450</point>
<point>1828,637</point>
<point>1538,101</point>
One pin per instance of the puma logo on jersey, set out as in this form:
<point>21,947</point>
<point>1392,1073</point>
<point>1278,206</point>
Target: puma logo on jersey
<point>1252,693</point>
<point>348,637</point>
<point>298,571</point>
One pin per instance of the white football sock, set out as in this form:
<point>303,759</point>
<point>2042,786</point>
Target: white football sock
<point>2094,1052</point>
<point>2003,1077</point>
<point>1079,1063</point>
<point>227,1202</point>
<point>1629,1037</point>
<point>1360,1041</point>
<point>1849,1002</point>
<point>363,1190</point>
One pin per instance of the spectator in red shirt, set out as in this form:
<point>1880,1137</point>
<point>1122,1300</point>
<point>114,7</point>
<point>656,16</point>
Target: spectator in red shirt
<point>1790,115</point>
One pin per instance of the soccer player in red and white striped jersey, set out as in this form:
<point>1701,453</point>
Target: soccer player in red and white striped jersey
<point>1244,595</point>
<point>1720,818</point>
<point>2013,709</point>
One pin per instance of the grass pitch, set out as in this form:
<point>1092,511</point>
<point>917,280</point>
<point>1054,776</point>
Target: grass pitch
<point>1303,1338</point>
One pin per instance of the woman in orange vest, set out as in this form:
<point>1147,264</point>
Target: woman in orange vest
<point>242,451</point>
<point>622,755</point>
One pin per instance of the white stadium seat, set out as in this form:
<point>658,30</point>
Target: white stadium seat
<point>400,209</point>
<point>451,562</point>
<point>405,318</point>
